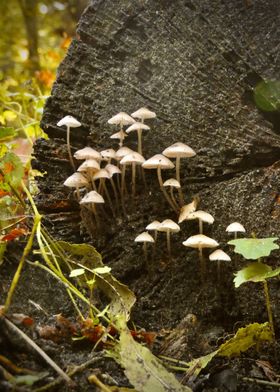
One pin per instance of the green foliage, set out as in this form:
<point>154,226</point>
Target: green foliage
<point>254,248</point>
<point>11,170</point>
<point>255,272</point>
<point>143,370</point>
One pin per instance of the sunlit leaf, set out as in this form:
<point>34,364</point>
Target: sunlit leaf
<point>255,272</point>
<point>6,134</point>
<point>11,171</point>
<point>254,248</point>
<point>14,233</point>
<point>77,272</point>
<point>245,338</point>
<point>102,270</point>
<point>9,115</point>
<point>143,370</point>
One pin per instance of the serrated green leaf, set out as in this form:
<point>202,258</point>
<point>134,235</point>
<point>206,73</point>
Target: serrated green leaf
<point>254,248</point>
<point>255,272</point>
<point>143,370</point>
<point>11,171</point>
<point>77,272</point>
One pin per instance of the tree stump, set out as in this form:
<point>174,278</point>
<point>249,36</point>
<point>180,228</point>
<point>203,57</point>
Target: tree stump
<point>198,65</point>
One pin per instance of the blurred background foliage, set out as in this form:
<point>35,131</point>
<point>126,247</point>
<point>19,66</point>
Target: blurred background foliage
<point>34,39</point>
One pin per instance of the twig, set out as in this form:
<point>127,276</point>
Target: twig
<point>70,373</point>
<point>42,353</point>
<point>263,382</point>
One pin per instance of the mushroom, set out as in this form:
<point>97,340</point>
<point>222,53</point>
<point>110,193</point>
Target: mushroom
<point>112,169</point>
<point>235,227</point>
<point>172,183</point>
<point>92,198</point>
<point>144,237</point>
<point>121,119</point>
<point>70,122</point>
<point>168,226</point>
<point>108,154</point>
<point>179,150</point>
<point>154,227</point>
<point>201,241</point>
<point>121,135</point>
<point>89,167</point>
<point>139,128</point>
<point>143,114</point>
<point>120,153</point>
<point>87,153</point>
<point>76,180</point>
<point>202,216</point>
<point>188,209</point>
<point>134,159</point>
<point>219,255</point>
<point>160,162</point>
<point>101,175</point>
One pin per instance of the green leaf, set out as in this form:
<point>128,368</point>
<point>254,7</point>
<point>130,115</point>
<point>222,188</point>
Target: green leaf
<point>254,248</point>
<point>3,246</point>
<point>77,272</point>
<point>85,256</point>
<point>255,272</point>
<point>11,171</point>
<point>245,338</point>
<point>6,134</point>
<point>143,370</point>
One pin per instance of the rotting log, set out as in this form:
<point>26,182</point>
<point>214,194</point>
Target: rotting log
<point>196,64</point>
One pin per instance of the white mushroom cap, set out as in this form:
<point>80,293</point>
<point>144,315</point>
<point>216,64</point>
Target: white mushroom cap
<point>235,227</point>
<point>121,118</point>
<point>136,126</point>
<point>172,182</point>
<point>169,225</point>
<point>144,237</point>
<point>87,153</point>
<point>200,241</point>
<point>219,254</point>
<point>69,121</point>
<point>118,135</point>
<point>158,160</point>
<point>109,153</point>
<point>133,157</point>
<point>143,114</point>
<point>112,169</point>
<point>92,197</point>
<point>202,215</point>
<point>121,152</point>
<point>153,225</point>
<point>76,180</point>
<point>186,210</point>
<point>89,165</point>
<point>179,150</point>
<point>102,173</point>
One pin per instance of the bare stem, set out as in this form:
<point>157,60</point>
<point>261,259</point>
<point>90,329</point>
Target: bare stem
<point>133,178</point>
<point>268,307</point>
<point>202,262</point>
<point>164,190</point>
<point>69,147</point>
<point>181,197</point>
<point>200,223</point>
<point>168,243</point>
<point>139,134</point>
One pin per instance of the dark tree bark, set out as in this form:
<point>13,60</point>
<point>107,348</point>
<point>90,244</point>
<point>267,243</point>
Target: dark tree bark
<point>196,64</point>
<point>29,13</point>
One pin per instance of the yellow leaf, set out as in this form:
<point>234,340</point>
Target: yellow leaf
<point>9,115</point>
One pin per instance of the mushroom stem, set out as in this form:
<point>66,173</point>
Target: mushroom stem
<point>95,215</point>
<point>69,147</point>
<point>200,223</point>
<point>115,192</point>
<point>78,194</point>
<point>123,186</point>
<point>202,262</point>
<point>164,190</point>
<point>139,134</point>
<point>145,253</point>
<point>173,197</point>
<point>133,178</point>
<point>104,186</point>
<point>235,235</point>
<point>168,243</point>
<point>181,197</point>
<point>268,307</point>
<point>219,271</point>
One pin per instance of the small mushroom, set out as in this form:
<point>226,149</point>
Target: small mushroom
<point>89,167</point>
<point>160,162</point>
<point>134,159</point>
<point>102,175</point>
<point>235,227</point>
<point>179,150</point>
<point>87,153</point>
<point>92,198</point>
<point>144,237</point>
<point>202,216</point>
<point>70,122</point>
<point>219,255</point>
<point>201,241</point>
<point>172,183</point>
<point>76,180</point>
<point>153,226</point>
<point>112,169</point>
<point>121,135</point>
<point>143,114</point>
<point>121,119</point>
<point>139,127</point>
<point>168,226</point>
<point>108,154</point>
